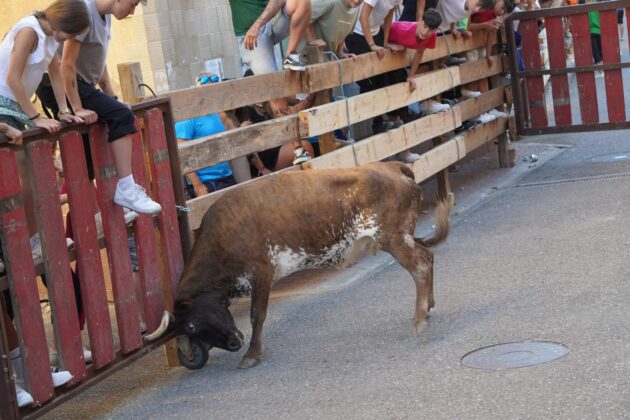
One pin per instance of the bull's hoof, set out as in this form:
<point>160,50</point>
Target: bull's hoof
<point>248,362</point>
<point>419,324</point>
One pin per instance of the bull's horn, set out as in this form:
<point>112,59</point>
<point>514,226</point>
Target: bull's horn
<point>166,318</point>
<point>183,344</point>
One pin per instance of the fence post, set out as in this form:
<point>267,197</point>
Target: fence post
<point>130,75</point>
<point>326,140</point>
<point>8,402</point>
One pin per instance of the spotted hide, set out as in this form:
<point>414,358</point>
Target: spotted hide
<point>255,235</point>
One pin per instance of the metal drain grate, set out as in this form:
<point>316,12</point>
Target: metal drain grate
<point>573,180</point>
<point>514,355</point>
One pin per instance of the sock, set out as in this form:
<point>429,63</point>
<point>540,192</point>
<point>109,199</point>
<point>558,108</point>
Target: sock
<point>16,363</point>
<point>126,182</point>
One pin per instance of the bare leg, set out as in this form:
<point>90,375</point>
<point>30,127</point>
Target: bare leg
<point>121,150</point>
<point>300,13</point>
<point>286,155</point>
<point>258,313</point>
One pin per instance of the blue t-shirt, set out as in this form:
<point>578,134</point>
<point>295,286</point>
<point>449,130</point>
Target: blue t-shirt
<point>201,127</point>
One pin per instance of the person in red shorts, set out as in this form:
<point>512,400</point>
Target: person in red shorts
<point>417,36</point>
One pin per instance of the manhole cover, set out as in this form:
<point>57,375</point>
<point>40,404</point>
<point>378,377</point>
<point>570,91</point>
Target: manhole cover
<point>614,157</point>
<point>514,355</point>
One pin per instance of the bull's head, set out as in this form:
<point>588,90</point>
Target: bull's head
<point>205,318</point>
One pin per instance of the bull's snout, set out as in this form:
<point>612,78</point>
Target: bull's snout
<point>235,341</point>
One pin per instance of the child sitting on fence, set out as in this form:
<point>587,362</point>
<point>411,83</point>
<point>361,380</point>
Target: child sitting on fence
<point>83,67</point>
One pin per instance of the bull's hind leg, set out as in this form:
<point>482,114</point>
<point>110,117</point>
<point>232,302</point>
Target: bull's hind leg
<point>418,261</point>
<point>258,313</point>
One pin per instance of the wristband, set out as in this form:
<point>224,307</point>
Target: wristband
<point>35,116</point>
<point>371,45</point>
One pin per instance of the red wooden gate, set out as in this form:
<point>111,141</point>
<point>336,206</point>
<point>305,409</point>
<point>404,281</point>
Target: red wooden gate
<point>162,243</point>
<point>574,88</point>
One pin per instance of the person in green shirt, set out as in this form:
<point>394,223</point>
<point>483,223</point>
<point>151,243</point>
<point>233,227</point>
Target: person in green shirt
<point>596,39</point>
<point>261,24</point>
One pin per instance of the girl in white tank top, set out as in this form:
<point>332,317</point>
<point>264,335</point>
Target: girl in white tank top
<point>28,51</point>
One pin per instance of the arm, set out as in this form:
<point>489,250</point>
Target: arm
<point>420,5</point>
<point>489,25</point>
<point>198,186</point>
<point>492,37</point>
<point>71,50</point>
<point>364,20</point>
<point>302,105</point>
<point>13,134</point>
<point>341,51</point>
<point>56,80</point>
<point>105,83</point>
<point>415,63</point>
<point>272,9</point>
<point>26,41</point>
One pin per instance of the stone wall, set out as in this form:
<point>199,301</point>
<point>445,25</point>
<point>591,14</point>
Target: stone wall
<point>183,34</point>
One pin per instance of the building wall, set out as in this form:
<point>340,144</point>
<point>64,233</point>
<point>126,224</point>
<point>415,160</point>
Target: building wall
<point>172,39</point>
<point>183,34</point>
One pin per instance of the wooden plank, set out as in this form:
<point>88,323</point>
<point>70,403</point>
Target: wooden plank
<point>504,158</point>
<point>535,84</point>
<point>147,244</point>
<point>377,147</point>
<point>557,60</point>
<point>56,260</point>
<point>612,78</point>
<point>125,301</point>
<point>225,146</point>
<point>323,76</point>
<point>163,188</point>
<point>14,236</point>
<point>323,118</point>
<point>130,76</point>
<point>93,295</point>
<point>320,119</point>
<point>443,156</point>
<point>583,53</point>
<point>207,99</point>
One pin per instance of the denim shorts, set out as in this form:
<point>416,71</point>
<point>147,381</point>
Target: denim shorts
<point>262,58</point>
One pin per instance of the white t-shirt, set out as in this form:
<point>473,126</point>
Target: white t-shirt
<point>380,10</point>
<point>451,11</point>
<point>37,62</point>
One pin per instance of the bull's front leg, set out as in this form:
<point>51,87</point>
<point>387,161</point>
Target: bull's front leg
<point>258,313</point>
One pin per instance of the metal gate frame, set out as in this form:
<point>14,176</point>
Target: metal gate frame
<point>528,88</point>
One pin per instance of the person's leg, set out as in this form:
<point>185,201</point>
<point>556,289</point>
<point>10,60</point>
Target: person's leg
<point>287,154</point>
<point>300,13</point>
<point>260,60</point>
<point>121,125</point>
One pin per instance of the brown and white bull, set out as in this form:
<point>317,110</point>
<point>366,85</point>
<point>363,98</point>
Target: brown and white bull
<point>255,235</point>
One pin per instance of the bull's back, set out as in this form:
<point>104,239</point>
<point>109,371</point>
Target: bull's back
<point>314,212</point>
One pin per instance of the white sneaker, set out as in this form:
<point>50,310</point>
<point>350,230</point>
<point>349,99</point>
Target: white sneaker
<point>36,248</point>
<point>87,355</point>
<point>431,107</point>
<point>136,199</point>
<point>23,397</point>
<point>487,117</point>
<point>470,93</point>
<point>451,60</point>
<point>498,113</point>
<point>407,156</point>
<point>301,156</point>
<point>59,377</point>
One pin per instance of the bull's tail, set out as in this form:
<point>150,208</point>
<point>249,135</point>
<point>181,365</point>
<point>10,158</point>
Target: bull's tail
<point>441,225</point>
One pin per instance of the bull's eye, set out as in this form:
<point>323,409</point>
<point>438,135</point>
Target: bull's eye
<point>191,328</point>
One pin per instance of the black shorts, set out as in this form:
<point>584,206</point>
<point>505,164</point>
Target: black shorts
<point>620,16</point>
<point>116,115</point>
<point>411,6</point>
